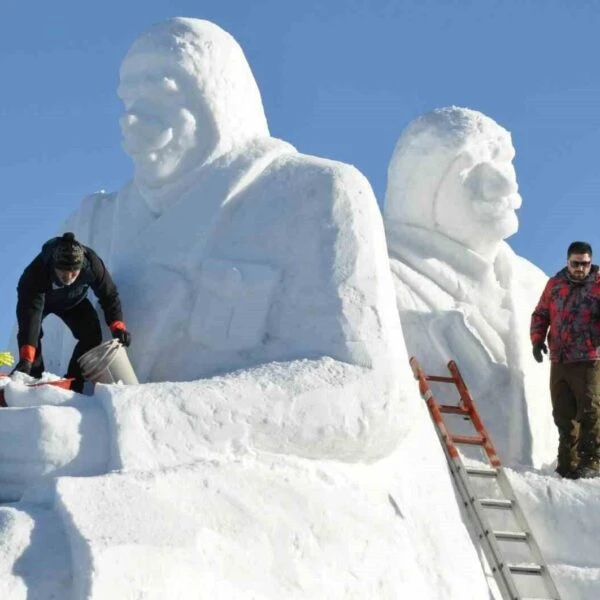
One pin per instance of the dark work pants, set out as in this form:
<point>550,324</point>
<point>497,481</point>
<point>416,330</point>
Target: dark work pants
<point>575,393</point>
<point>83,322</point>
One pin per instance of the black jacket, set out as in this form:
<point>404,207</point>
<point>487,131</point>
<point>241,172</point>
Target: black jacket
<point>40,293</point>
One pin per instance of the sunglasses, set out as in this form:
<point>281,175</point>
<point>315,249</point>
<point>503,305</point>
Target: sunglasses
<point>580,263</point>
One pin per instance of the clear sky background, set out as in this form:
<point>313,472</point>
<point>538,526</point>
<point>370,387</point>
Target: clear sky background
<point>339,79</point>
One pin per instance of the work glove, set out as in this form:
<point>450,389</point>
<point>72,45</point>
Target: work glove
<point>538,348</point>
<point>6,359</point>
<point>23,366</point>
<point>123,336</point>
<point>119,332</point>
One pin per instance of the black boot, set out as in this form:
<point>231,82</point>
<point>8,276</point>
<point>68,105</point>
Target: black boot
<point>588,468</point>
<point>568,457</point>
<point>77,385</point>
<point>567,472</point>
<point>589,450</point>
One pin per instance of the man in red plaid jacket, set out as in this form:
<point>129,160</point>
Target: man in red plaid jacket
<point>570,308</point>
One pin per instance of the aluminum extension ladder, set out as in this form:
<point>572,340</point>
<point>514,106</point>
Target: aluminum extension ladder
<point>512,577</point>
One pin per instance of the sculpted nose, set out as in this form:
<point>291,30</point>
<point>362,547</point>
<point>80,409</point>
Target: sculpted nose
<point>488,182</point>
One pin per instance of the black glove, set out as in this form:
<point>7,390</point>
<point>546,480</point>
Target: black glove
<point>538,348</point>
<point>23,366</point>
<point>123,336</point>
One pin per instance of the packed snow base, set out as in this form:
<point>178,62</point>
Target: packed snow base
<point>291,456</point>
<point>178,515</point>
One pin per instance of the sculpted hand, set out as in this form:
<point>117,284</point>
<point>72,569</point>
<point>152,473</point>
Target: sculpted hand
<point>538,348</point>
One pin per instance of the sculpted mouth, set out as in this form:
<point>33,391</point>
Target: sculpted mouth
<point>140,146</point>
<point>497,208</point>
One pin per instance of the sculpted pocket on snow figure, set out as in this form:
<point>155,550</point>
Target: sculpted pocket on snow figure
<point>232,302</point>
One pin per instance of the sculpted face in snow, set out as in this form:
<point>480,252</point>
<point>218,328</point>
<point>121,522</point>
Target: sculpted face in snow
<point>158,128</point>
<point>461,291</point>
<point>189,95</point>
<point>452,172</point>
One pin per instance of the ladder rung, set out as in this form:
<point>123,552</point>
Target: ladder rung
<point>479,472</point>
<point>526,569</point>
<point>453,409</point>
<point>474,440</point>
<point>495,503</point>
<point>439,378</point>
<point>515,536</point>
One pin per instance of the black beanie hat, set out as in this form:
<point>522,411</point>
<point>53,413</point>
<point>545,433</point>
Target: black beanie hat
<point>68,253</point>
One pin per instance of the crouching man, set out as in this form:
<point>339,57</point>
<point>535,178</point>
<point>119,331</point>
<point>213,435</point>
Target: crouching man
<point>57,282</point>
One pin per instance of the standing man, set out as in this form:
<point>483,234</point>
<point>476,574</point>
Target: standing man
<point>57,282</point>
<point>570,308</point>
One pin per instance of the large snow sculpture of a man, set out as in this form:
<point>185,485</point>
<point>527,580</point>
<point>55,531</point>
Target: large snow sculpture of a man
<point>233,250</point>
<point>462,292</point>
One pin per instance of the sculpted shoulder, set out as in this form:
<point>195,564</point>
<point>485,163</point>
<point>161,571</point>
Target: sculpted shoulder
<point>328,184</point>
<point>101,196</point>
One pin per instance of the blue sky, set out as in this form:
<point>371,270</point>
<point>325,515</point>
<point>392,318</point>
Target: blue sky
<point>339,78</point>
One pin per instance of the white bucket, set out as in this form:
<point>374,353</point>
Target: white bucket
<point>107,363</point>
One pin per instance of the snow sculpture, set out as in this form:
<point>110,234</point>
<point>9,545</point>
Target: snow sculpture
<point>238,257</point>
<point>462,293</point>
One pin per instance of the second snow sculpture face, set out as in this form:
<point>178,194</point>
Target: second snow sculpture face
<point>452,172</point>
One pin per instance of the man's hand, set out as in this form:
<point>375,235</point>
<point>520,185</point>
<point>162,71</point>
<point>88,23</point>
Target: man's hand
<point>23,366</point>
<point>538,348</point>
<point>119,332</point>
<point>123,336</point>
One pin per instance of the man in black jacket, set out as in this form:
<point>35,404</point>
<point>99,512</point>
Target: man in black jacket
<point>57,282</point>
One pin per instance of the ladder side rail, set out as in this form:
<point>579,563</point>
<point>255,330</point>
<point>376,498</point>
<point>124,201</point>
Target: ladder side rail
<point>434,410</point>
<point>484,531</point>
<point>508,492</point>
<point>469,404</point>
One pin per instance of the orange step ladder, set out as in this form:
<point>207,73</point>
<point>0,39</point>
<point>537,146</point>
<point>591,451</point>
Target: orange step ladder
<point>500,524</point>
